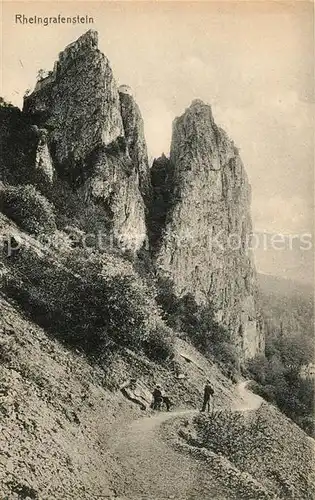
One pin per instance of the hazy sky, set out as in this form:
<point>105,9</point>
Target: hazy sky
<point>252,61</point>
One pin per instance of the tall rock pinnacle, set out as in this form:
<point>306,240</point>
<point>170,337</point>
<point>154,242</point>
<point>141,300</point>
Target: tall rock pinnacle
<point>78,101</point>
<point>96,139</point>
<point>204,245</point>
<point>134,133</point>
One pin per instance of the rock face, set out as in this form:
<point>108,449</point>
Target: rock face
<point>204,244</point>
<point>78,102</point>
<point>95,138</point>
<point>79,128</point>
<point>134,134</point>
<point>43,161</point>
<point>115,185</point>
<point>24,152</point>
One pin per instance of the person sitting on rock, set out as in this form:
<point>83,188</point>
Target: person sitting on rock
<point>157,398</point>
<point>168,403</point>
<point>207,395</point>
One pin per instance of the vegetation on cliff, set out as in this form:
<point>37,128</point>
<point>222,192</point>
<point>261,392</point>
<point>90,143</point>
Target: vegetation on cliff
<point>91,301</point>
<point>31,211</point>
<point>198,324</point>
<point>278,379</point>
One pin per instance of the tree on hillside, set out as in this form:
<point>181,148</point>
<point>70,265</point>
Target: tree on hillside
<point>278,377</point>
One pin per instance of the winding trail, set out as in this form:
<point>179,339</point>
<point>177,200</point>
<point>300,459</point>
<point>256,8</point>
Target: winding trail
<point>246,400</point>
<point>153,470</point>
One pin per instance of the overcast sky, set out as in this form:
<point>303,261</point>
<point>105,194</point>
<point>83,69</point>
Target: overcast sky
<point>253,62</point>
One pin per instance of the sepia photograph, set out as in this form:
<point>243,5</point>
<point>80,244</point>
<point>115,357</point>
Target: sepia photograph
<point>156,250</point>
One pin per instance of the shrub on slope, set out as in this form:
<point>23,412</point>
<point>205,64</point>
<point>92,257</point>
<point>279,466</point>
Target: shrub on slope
<point>89,301</point>
<point>31,211</point>
<point>199,323</point>
<point>159,343</point>
<point>18,141</point>
<point>278,378</point>
<point>265,444</point>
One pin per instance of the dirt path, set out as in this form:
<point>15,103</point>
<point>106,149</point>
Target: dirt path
<point>152,470</point>
<point>245,399</point>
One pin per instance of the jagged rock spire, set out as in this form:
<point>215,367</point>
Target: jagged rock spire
<point>96,136</point>
<point>204,246</point>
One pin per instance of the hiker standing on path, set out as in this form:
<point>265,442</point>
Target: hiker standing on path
<point>207,395</point>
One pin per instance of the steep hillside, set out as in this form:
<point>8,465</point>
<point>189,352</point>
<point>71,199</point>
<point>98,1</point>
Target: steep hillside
<point>259,452</point>
<point>62,407</point>
<point>68,431</point>
<point>55,412</point>
<point>60,412</point>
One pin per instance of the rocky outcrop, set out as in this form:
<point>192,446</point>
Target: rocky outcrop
<point>134,134</point>
<point>43,162</point>
<point>95,137</point>
<point>78,127</point>
<point>115,186</point>
<point>204,246</point>
<point>78,102</point>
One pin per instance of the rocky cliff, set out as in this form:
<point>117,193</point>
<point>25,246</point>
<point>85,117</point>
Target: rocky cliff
<point>95,136</point>
<point>81,136</point>
<point>77,325</point>
<point>204,245</point>
<point>134,133</point>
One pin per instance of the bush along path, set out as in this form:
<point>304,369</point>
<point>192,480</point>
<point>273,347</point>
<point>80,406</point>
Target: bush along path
<point>154,465</point>
<point>253,447</point>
